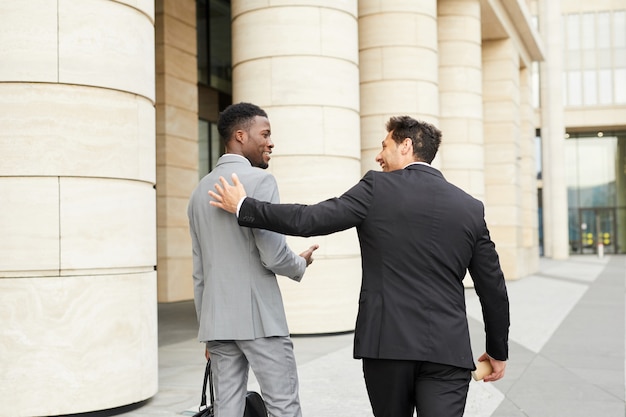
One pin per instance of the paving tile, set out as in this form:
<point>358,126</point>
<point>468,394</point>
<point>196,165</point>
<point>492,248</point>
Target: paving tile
<point>566,356</point>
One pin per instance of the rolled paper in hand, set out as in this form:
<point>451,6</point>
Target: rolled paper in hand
<point>482,370</point>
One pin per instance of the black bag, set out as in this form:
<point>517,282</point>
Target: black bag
<point>255,407</point>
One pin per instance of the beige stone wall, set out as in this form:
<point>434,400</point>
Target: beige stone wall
<point>555,223</point>
<point>77,206</point>
<point>177,143</point>
<point>397,67</point>
<point>503,154</point>
<point>529,258</point>
<point>299,61</point>
<point>601,118</point>
<point>461,95</point>
<point>581,6</point>
<point>486,120</point>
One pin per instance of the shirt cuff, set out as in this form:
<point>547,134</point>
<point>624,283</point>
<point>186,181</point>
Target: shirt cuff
<point>239,206</point>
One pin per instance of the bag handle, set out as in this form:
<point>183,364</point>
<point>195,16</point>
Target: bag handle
<point>208,376</point>
<point>210,381</point>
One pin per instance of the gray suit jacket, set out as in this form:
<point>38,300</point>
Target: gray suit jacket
<point>235,289</point>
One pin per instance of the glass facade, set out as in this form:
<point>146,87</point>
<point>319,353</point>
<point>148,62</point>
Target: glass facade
<point>596,190</point>
<point>594,74</point>
<point>214,44</point>
<point>214,77</point>
<point>209,147</point>
<point>594,61</point>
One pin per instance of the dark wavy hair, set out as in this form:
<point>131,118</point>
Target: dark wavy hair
<point>237,116</point>
<point>426,138</point>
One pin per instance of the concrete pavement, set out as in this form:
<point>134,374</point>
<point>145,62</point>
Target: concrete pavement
<point>567,353</point>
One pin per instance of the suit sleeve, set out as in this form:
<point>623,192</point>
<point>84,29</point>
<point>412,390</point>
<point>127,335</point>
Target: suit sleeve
<point>198,270</point>
<point>491,289</point>
<point>326,217</point>
<point>274,252</point>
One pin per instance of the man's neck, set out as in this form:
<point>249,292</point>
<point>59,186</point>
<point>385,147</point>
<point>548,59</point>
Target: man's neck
<point>234,153</point>
<point>417,163</point>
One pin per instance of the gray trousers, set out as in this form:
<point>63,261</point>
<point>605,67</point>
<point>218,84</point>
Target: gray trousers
<point>273,362</point>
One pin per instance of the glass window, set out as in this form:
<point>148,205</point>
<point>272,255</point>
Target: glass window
<point>202,38</point>
<point>220,45</point>
<point>574,88</point>
<point>572,60</point>
<point>535,81</point>
<point>590,88</point>
<point>593,160</point>
<point>574,233</point>
<point>217,148</point>
<point>619,58</point>
<point>621,236</point>
<point>538,155</point>
<point>203,148</point>
<point>604,57</point>
<point>605,82</point>
<point>595,42</point>
<point>214,77</point>
<point>588,31</point>
<point>604,30</point>
<point>619,29</point>
<point>573,32</point>
<point>214,44</point>
<point>209,147</point>
<point>596,192</point>
<point>588,59</point>
<point>619,86</point>
<point>571,173</point>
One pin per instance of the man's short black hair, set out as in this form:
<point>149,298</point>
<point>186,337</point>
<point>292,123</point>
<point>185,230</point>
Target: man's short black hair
<point>237,116</point>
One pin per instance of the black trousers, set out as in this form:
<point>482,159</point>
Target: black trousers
<point>396,388</point>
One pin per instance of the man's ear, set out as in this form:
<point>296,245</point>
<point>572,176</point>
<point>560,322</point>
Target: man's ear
<point>407,146</point>
<point>240,135</point>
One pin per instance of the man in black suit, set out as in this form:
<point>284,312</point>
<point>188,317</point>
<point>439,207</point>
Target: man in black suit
<point>418,235</point>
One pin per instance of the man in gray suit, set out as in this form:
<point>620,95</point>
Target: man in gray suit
<point>238,302</point>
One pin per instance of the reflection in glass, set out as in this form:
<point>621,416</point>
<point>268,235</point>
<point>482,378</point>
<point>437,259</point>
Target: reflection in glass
<point>596,192</point>
<point>203,148</point>
<point>209,147</point>
<point>214,44</point>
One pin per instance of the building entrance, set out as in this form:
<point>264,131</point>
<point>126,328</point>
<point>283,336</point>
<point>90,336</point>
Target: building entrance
<point>597,228</point>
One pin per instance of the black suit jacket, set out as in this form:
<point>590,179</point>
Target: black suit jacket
<point>418,235</point>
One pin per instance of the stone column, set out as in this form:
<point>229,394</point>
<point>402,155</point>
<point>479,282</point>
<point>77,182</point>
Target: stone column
<point>503,154</point>
<point>177,143</point>
<point>555,216</point>
<point>529,263</point>
<point>398,67</point>
<point>78,316</point>
<point>299,61</point>
<point>460,93</point>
